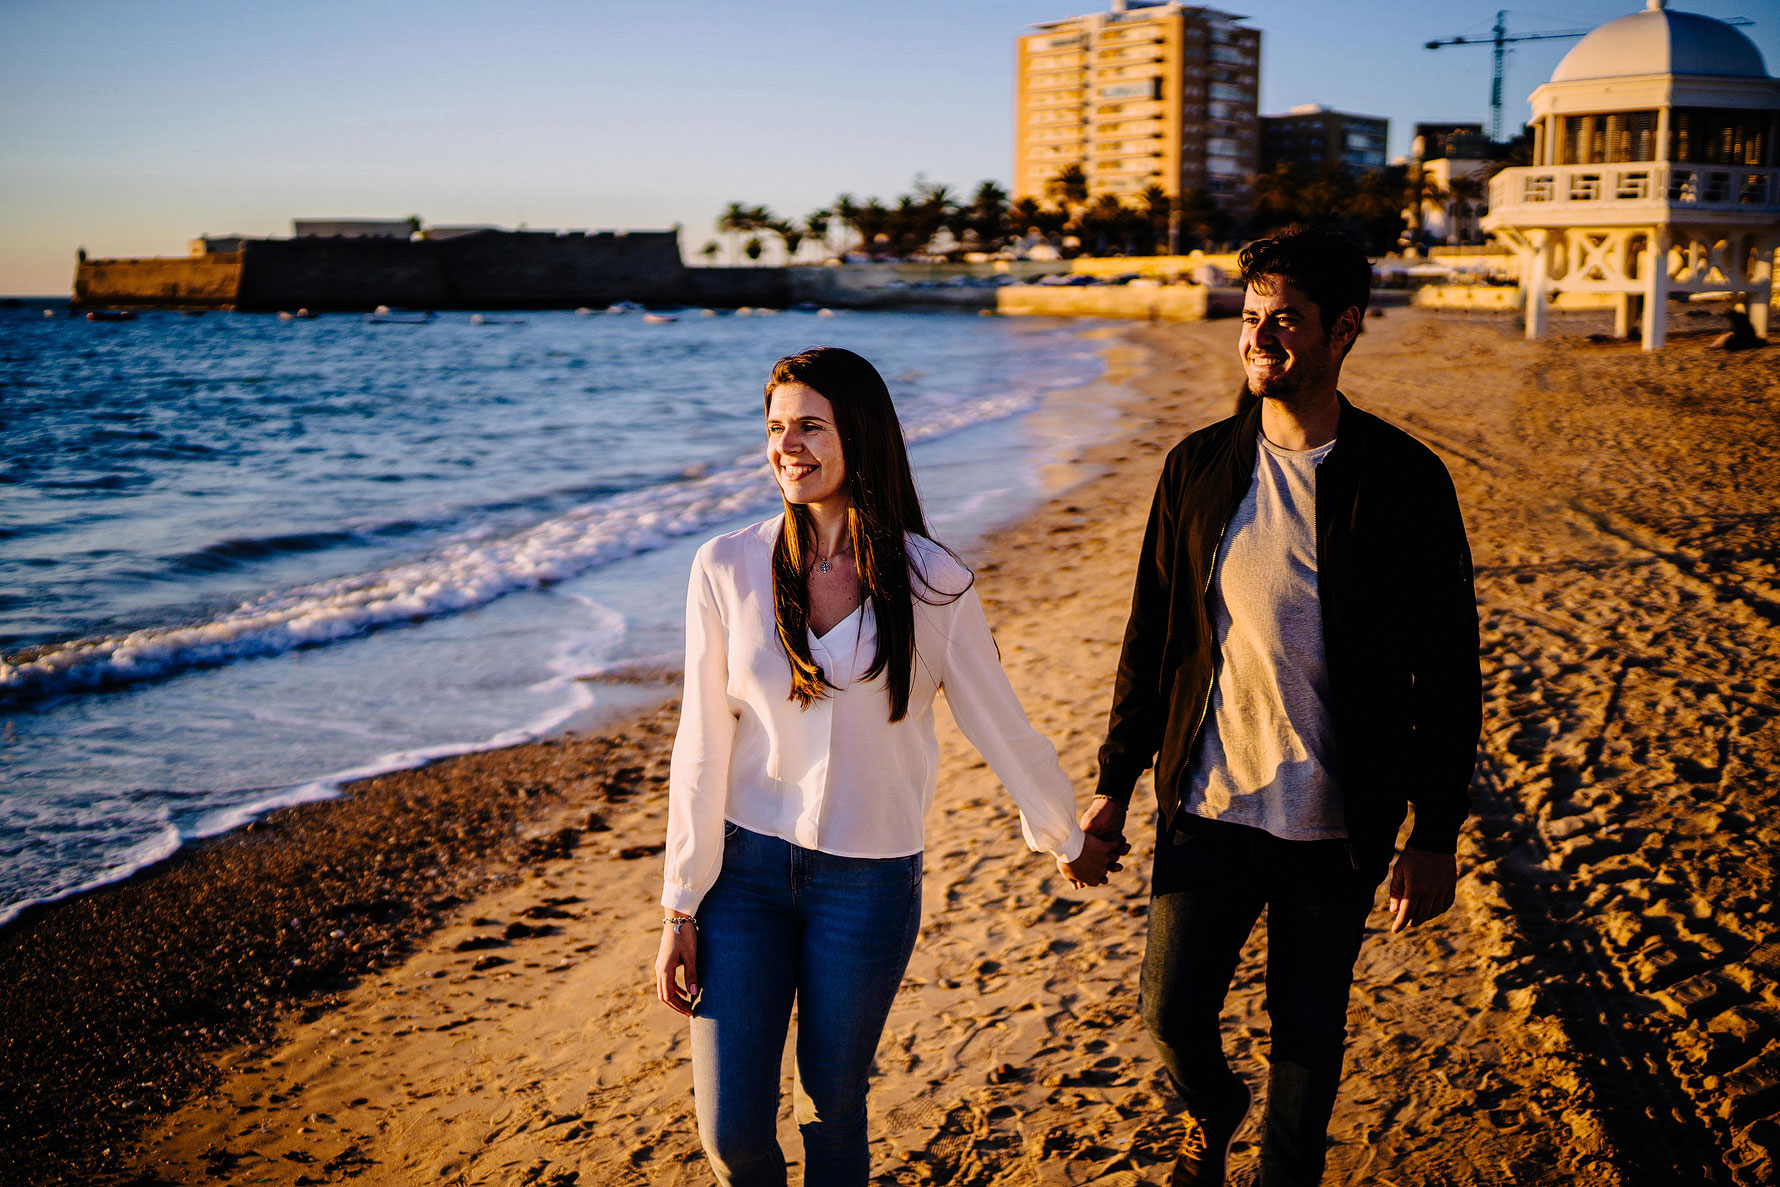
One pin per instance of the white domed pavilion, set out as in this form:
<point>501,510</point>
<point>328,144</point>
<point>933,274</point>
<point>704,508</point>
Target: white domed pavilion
<point>1653,172</point>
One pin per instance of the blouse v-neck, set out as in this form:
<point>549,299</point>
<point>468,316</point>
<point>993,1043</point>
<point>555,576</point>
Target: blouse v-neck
<point>829,633</point>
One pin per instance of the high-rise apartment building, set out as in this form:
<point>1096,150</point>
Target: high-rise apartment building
<point>1315,136</point>
<point>1153,92</point>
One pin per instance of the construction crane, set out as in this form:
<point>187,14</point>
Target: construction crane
<point>1501,39</point>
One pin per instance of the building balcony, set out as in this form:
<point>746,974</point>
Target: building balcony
<point>1632,192</point>
<point>1125,155</point>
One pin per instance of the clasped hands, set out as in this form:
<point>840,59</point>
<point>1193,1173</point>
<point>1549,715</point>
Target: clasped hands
<point>1103,828</point>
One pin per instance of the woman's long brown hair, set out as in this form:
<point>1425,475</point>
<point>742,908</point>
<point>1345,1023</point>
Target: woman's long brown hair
<point>885,509</point>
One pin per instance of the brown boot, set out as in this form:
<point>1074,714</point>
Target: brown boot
<point>1205,1151</point>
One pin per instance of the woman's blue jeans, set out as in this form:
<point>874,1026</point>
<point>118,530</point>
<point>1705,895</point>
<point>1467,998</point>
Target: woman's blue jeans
<point>833,934</point>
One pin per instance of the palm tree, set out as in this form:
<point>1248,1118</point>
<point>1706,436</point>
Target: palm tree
<point>1202,221</point>
<point>735,220</point>
<point>1375,207</point>
<point>845,212</point>
<point>872,224</point>
<point>1466,192</point>
<point>1103,222</point>
<point>815,225</point>
<point>1069,189</point>
<point>986,217</point>
<point>1421,190</point>
<point>1051,220</point>
<point>1158,209</point>
<point>1327,196</point>
<point>1277,197</point>
<point>792,235</point>
<point>906,221</point>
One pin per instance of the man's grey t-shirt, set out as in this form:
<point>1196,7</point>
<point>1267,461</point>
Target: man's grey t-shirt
<point>1266,756</point>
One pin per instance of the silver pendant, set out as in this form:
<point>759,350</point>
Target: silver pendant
<point>824,564</point>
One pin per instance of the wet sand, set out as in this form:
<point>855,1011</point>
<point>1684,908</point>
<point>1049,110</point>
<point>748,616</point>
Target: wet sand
<point>1599,1007</point>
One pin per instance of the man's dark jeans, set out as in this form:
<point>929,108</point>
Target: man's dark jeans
<point>1211,881</point>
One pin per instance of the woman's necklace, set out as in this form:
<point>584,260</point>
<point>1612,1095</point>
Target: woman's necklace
<point>825,564</point>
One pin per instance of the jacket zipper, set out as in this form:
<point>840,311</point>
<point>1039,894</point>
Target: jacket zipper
<point>1347,841</point>
<point>1212,684</point>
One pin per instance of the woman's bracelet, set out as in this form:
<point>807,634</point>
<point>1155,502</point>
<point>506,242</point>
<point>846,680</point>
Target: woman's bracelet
<point>675,921</point>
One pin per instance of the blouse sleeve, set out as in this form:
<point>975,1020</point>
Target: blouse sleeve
<point>698,780</point>
<point>987,710</point>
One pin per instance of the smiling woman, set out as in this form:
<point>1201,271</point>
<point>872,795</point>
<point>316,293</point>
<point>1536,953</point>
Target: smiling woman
<point>806,762</point>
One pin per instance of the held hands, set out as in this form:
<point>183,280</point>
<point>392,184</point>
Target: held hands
<point>1104,823</point>
<point>679,953</point>
<point>1422,886</point>
<point>1092,864</point>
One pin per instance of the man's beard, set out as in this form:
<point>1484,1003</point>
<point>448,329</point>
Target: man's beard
<point>1285,388</point>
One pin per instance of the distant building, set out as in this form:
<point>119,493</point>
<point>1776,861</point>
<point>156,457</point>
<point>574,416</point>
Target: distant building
<point>205,245</point>
<point>352,228</point>
<point>1150,93</point>
<point>1315,136</point>
<point>1454,161</point>
<point>1459,142</point>
<point>1455,198</point>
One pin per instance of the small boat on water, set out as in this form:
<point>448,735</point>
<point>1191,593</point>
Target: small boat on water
<point>111,315</point>
<point>657,319</point>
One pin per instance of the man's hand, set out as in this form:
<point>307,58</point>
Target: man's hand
<point>1104,823</point>
<point>1422,886</point>
<point>1096,858</point>
<point>1105,818</point>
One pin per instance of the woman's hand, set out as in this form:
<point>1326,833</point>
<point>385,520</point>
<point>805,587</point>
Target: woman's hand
<point>679,953</point>
<point>1096,858</point>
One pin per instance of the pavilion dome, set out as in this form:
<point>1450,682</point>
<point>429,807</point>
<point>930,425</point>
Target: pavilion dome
<point>1657,41</point>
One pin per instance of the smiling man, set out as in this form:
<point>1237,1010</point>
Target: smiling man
<point>1301,667</point>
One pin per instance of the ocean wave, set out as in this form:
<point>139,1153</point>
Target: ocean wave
<point>460,576</point>
<point>243,550</point>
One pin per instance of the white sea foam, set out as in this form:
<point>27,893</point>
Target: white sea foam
<point>49,875</point>
<point>460,576</point>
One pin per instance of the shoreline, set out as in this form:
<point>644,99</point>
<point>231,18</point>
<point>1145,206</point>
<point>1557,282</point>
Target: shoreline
<point>1600,1006</point>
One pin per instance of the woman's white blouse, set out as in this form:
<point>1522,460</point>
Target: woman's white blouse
<point>838,776</point>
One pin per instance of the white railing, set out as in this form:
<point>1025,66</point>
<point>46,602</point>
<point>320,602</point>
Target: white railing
<point>1604,187</point>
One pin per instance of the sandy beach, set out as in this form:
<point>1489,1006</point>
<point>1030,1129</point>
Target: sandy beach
<point>443,977</point>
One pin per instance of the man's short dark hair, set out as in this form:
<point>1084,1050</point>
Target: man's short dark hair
<point>1325,266</point>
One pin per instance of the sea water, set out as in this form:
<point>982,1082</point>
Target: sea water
<point>244,559</point>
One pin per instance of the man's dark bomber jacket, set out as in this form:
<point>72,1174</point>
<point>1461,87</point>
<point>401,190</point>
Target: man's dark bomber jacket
<point>1399,629</point>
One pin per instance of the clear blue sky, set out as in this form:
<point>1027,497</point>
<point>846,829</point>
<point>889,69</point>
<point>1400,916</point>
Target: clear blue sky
<point>130,127</point>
